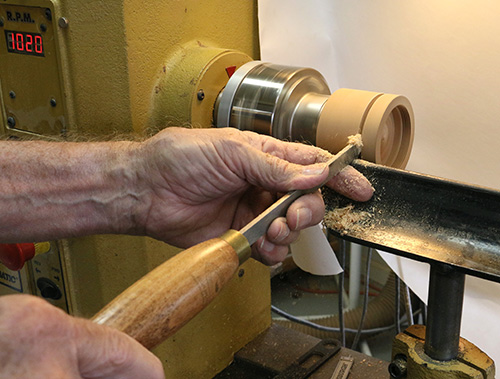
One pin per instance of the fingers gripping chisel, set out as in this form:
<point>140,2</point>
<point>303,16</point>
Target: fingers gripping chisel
<point>161,302</point>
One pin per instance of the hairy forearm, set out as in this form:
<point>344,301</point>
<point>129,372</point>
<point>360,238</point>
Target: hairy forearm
<point>54,190</point>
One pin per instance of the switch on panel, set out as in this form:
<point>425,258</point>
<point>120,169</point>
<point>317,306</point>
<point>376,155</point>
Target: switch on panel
<point>15,255</point>
<point>48,289</point>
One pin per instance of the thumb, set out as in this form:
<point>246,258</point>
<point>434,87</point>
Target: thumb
<point>275,174</point>
<point>104,352</point>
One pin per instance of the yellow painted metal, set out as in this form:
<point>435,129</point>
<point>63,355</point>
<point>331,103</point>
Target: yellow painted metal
<point>471,362</point>
<point>30,83</point>
<point>155,32</point>
<point>111,55</point>
<point>191,70</point>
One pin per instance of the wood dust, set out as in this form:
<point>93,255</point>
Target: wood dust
<point>344,220</point>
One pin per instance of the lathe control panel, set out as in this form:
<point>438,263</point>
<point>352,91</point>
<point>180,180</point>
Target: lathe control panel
<point>42,276</point>
<point>31,92</point>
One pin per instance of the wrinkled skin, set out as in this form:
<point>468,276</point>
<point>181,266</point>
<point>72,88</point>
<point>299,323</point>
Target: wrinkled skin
<point>40,341</point>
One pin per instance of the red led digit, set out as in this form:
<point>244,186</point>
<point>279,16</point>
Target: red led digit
<point>24,43</point>
<point>29,43</point>
<point>38,44</point>
<point>19,41</point>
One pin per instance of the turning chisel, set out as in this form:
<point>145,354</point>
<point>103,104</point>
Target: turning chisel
<point>161,302</point>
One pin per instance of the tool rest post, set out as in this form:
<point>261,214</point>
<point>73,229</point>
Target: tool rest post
<point>444,315</point>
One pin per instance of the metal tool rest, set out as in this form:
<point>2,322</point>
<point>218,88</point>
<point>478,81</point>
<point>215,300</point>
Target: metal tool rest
<point>452,226</point>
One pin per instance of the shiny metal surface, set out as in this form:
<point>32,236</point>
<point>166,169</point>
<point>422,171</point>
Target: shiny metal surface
<point>281,101</point>
<point>223,106</point>
<point>258,227</point>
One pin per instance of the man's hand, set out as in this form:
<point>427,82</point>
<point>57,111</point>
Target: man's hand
<point>41,341</point>
<point>197,183</point>
<point>182,186</point>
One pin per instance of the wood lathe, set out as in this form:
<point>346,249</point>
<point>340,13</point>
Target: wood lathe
<point>133,67</point>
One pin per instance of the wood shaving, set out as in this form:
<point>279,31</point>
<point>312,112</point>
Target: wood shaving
<point>344,220</point>
<point>356,140</point>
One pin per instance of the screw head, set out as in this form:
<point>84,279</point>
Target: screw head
<point>241,273</point>
<point>12,94</point>
<point>200,95</point>
<point>2,22</point>
<point>43,27</point>
<point>48,14</point>
<point>53,102</point>
<point>63,22</point>
<point>11,121</point>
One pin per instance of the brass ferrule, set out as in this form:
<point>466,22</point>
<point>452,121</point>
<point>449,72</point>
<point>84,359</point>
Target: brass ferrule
<point>239,243</point>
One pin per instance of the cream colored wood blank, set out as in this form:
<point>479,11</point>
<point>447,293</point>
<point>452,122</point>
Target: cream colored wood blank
<point>385,121</point>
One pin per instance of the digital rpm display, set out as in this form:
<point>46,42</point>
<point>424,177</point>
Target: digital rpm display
<point>24,43</point>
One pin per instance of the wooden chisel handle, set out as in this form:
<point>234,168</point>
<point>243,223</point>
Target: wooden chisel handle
<point>165,299</point>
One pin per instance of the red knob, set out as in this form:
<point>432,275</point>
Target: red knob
<point>14,255</point>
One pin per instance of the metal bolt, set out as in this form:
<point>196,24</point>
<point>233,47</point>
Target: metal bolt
<point>11,121</point>
<point>53,102</point>
<point>12,94</point>
<point>43,27</point>
<point>48,14</point>
<point>63,22</point>
<point>241,273</point>
<point>398,367</point>
<point>200,95</point>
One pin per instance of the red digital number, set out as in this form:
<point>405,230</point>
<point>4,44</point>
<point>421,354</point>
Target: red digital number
<point>24,43</point>
<point>19,42</point>
<point>29,43</point>
<point>38,44</point>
